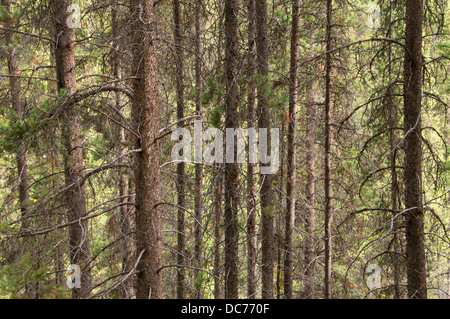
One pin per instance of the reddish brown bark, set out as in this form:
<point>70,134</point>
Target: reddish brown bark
<point>146,121</point>
<point>231,169</point>
<point>79,244</point>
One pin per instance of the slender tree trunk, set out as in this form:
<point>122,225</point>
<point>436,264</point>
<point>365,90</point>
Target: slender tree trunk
<point>126,224</point>
<point>291,157</point>
<point>198,166</point>
<point>59,251</point>
<point>328,179</point>
<point>394,179</point>
<point>73,158</point>
<point>126,289</point>
<point>310,150</point>
<point>16,104</point>
<point>180,166</point>
<point>231,169</point>
<point>280,219</point>
<point>218,181</point>
<point>145,112</point>
<point>252,249</point>
<point>267,209</point>
<point>415,250</point>
<point>21,155</point>
<point>181,228</point>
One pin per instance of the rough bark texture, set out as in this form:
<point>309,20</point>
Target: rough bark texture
<point>392,121</point>
<point>415,250</point>
<point>231,169</point>
<point>310,194</point>
<point>198,229</point>
<point>327,179</point>
<point>145,112</point>
<point>181,201</point>
<point>252,249</point>
<point>263,112</point>
<point>73,158</point>
<point>291,157</point>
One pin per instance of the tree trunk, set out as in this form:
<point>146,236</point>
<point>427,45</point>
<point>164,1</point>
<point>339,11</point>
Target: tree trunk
<point>180,166</point>
<point>231,169</point>
<point>73,158</point>
<point>280,219</point>
<point>267,208</point>
<point>252,248</point>
<point>145,112</point>
<point>16,104</point>
<point>310,150</point>
<point>392,121</point>
<point>328,179</point>
<point>415,250</point>
<point>126,289</point>
<point>198,166</point>
<point>21,155</point>
<point>218,181</point>
<point>291,157</point>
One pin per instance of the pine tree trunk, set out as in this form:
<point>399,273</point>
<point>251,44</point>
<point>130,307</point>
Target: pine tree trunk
<point>328,179</point>
<point>291,157</point>
<point>21,155</point>
<point>126,243</point>
<point>252,249</point>
<point>218,182</point>
<point>280,219</point>
<point>392,121</point>
<point>198,166</point>
<point>415,250</point>
<point>267,208</point>
<point>16,104</point>
<point>146,121</point>
<point>309,218</point>
<point>231,169</point>
<point>73,158</point>
<point>181,201</point>
<point>219,174</point>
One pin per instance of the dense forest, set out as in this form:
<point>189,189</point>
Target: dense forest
<point>224,149</point>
